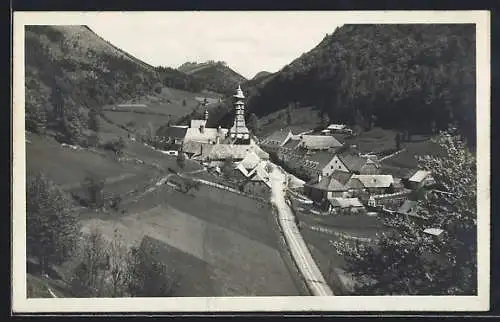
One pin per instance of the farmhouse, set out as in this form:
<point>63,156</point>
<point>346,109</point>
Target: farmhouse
<point>356,164</point>
<point>373,184</point>
<point>420,178</point>
<point>327,187</point>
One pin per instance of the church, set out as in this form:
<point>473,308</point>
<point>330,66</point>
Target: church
<point>216,144</point>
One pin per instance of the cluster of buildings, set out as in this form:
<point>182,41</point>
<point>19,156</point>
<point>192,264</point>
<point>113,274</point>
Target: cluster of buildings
<point>339,178</point>
<point>213,146</point>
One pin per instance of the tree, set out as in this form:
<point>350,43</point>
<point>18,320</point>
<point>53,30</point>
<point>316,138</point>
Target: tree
<point>227,167</point>
<point>103,270</point>
<point>408,261</point>
<point>398,141</point>
<point>94,123</point>
<point>150,277</point>
<point>253,123</point>
<point>181,160</point>
<point>94,187</point>
<point>289,114</point>
<point>52,226</point>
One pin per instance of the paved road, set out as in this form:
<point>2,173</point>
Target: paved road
<point>298,248</point>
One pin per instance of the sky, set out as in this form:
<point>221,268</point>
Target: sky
<point>249,42</point>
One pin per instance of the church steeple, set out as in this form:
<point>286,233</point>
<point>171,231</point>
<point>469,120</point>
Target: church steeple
<point>239,131</point>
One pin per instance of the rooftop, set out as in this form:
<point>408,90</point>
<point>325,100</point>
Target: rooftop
<point>277,137</point>
<point>419,176</point>
<point>314,142</point>
<point>374,181</point>
<point>345,202</point>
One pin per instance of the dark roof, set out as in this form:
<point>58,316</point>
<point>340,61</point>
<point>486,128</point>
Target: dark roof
<point>409,207</point>
<point>321,157</point>
<point>277,136</point>
<point>341,176</point>
<point>173,131</point>
<point>328,183</point>
<point>291,144</point>
<point>352,162</point>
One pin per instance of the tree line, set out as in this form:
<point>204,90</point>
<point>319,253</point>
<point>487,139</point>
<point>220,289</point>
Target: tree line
<point>417,78</point>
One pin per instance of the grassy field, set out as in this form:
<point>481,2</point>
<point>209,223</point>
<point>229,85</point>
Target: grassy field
<point>226,232</point>
<point>375,141</point>
<point>303,119</point>
<point>68,167</point>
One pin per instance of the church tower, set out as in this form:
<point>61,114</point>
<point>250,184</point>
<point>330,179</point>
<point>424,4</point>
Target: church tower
<point>239,133</point>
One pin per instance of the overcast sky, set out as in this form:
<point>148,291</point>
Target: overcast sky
<point>249,42</point>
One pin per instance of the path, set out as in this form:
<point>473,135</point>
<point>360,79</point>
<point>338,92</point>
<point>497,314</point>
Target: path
<point>298,248</point>
<point>391,155</point>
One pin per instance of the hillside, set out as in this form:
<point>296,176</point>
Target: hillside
<point>415,78</point>
<point>215,76</point>
<point>261,74</point>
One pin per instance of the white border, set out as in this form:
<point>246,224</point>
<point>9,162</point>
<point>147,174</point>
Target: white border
<point>21,304</point>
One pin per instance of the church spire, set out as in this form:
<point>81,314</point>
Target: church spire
<point>239,131</point>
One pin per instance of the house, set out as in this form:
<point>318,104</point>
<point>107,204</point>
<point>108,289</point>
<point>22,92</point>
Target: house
<point>327,187</point>
<point>373,184</point>
<point>352,205</point>
<point>356,164</point>
<point>420,178</point>
<point>319,142</point>
<point>277,139</point>
<point>173,135</point>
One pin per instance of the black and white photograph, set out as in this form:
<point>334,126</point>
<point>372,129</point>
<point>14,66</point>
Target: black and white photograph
<point>251,161</point>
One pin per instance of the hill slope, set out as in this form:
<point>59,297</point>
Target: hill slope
<point>408,77</point>
<point>70,70</point>
<point>215,76</point>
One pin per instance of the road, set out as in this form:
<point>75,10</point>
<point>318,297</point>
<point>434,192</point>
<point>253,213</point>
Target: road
<point>298,248</point>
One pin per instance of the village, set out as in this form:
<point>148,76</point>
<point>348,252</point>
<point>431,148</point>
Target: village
<point>327,176</point>
<point>330,176</point>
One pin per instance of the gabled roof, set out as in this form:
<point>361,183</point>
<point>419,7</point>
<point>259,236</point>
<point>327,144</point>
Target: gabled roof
<point>419,176</point>
<point>433,231</point>
<point>321,158</point>
<point>352,162</point>
<point>278,137</point>
<point>336,127</point>
<point>329,183</point>
<point>345,202</point>
<point>251,160</point>
<point>374,181</point>
<point>341,176</point>
<point>319,142</point>
<point>177,132</point>
<point>291,144</point>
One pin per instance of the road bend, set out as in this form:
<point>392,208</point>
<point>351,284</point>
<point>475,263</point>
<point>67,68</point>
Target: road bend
<point>298,248</point>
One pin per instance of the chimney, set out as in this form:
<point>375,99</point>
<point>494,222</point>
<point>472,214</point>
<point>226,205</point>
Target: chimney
<point>319,177</point>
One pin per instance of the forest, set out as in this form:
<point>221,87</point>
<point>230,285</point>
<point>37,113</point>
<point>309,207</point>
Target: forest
<point>65,79</point>
<point>415,78</point>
